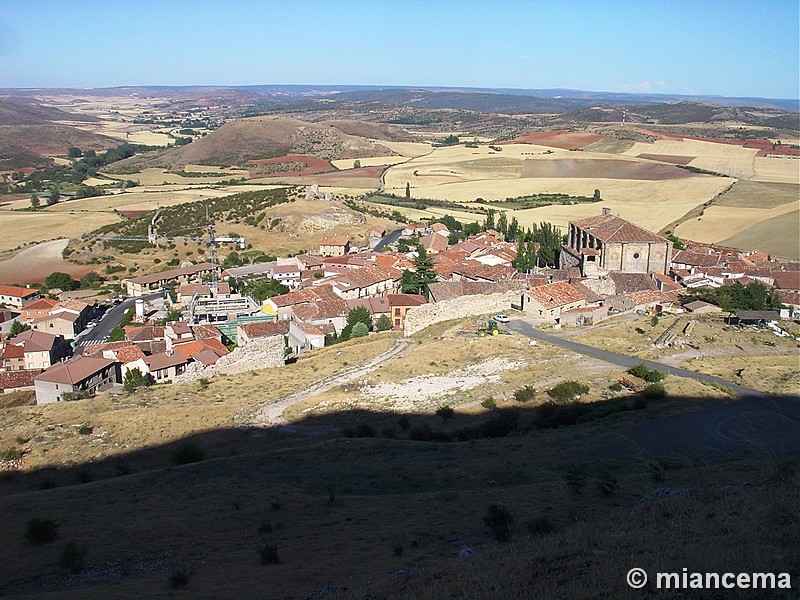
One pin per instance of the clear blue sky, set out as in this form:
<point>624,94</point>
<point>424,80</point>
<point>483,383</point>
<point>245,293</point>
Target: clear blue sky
<point>721,47</point>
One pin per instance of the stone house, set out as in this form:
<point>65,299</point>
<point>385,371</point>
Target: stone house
<point>366,282</point>
<point>82,374</point>
<point>251,331</point>
<point>334,245</point>
<point>549,301</point>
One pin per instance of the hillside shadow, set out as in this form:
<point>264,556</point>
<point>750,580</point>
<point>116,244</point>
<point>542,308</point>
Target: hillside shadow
<point>617,429</point>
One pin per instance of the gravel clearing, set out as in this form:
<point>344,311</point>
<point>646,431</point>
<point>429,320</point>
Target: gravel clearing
<point>415,393</point>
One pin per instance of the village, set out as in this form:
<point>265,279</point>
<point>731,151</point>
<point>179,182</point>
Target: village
<point>181,322</point>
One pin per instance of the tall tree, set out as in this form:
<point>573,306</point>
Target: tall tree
<point>408,190</point>
<point>425,273</point>
<point>502,224</point>
<point>35,201</point>
<point>55,195</point>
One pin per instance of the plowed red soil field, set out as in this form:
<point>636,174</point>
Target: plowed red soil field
<point>558,139</point>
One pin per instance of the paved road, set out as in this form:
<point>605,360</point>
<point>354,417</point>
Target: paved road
<point>757,423</point>
<point>626,361</point>
<point>110,320</point>
<point>388,239</point>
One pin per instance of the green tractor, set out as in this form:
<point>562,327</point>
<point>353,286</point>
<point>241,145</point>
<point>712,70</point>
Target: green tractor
<point>491,328</point>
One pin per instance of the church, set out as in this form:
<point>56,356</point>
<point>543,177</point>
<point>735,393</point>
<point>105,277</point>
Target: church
<point>606,243</point>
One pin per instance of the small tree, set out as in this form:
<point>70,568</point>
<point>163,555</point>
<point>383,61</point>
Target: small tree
<point>35,203</point>
<point>55,195</point>
<point>359,330</point>
<point>383,323</point>
<point>133,380</point>
<point>356,164</point>
<point>596,195</point>
<point>359,314</point>
<point>74,152</point>
<point>17,328</point>
<point>408,190</point>
<point>61,281</point>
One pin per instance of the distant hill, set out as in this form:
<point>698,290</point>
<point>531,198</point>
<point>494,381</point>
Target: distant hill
<point>242,140</point>
<point>27,111</point>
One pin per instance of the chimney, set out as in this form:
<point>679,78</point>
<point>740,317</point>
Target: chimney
<point>606,210</point>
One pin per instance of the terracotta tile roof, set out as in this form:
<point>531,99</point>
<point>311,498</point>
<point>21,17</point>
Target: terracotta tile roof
<point>309,260</point>
<point>555,294</point>
<point>152,346</point>
<point>190,349</point>
<point>625,283</point>
<point>787,280</point>
<point>190,289</point>
<point>405,299</point>
<point>202,332</point>
<point>178,328</point>
<point>305,295</point>
<point>125,352</point>
<point>206,357</point>
<point>645,297</point>
<point>162,360</point>
<point>587,294</point>
<point>17,292</point>
<point>265,328</point>
<point>375,306</point>
<point>34,341</point>
<point>145,333</point>
<point>696,259</point>
<point>787,297</point>
<point>609,229</point>
<point>440,228</point>
<point>376,231</point>
<point>75,370</point>
<point>10,380</point>
<point>434,242</point>
<point>45,304</point>
<point>477,271</point>
<point>366,277</point>
<point>13,351</point>
<point>322,309</point>
<point>667,282</point>
<point>334,240</point>
<point>698,304</point>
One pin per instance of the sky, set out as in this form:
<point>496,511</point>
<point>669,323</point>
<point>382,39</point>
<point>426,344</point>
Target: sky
<point>703,47</point>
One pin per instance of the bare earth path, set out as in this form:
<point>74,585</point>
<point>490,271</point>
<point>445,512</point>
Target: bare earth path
<point>270,414</point>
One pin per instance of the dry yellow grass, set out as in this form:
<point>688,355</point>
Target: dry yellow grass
<point>730,159</point>
<point>374,161</point>
<point>720,222</point>
<point>407,148</point>
<point>17,229</point>
<point>157,177</point>
<point>781,170</point>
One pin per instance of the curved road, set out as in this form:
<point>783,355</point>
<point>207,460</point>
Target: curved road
<point>759,423</point>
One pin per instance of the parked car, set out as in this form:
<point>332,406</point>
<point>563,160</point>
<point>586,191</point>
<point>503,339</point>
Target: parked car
<point>501,318</point>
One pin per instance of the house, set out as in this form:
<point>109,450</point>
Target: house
<point>37,309</point>
<point>399,305</point>
<point>441,229</point>
<point>375,235</point>
<point>249,331</point>
<point>165,366</point>
<point>12,381</point>
<point>376,306</point>
<point>206,352</point>
<point>549,301</point>
<point>288,274</point>
<point>187,290</point>
<point>304,337</point>
<point>365,282</point>
<point>584,315</point>
<point>475,271</point>
<point>319,304</point>
<point>607,243</point>
<point>754,317</point>
<point>434,242</point>
<point>68,325</point>
<point>139,286</point>
<point>37,349</point>
<point>80,375</point>
<point>334,245</point>
<point>127,354</point>
<point>17,297</point>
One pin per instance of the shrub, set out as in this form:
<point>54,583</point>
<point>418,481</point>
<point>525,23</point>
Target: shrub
<point>72,557</point>
<point>359,330</point>
<point>489,403</point>
<point>11,454</point>
<point>86,430</point>
<point>179,578</point>
<point>540,526</point>
<point>203,383</point>
<point>445,412</point>
<point>41,531</point>
<point>499,520</point>
<point>649,375</point>
<point>383,323</point>
<point>654,390</point>
<point>186,453</point>
<point>615,387</point>
<point>269,554</point>
<point>525,394</point>
<point>567,390</point>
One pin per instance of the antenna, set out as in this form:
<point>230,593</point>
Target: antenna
<point>213,244</point>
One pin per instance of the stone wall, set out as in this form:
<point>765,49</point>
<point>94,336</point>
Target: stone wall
<point>420,317</point>
<point>260,353</point>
